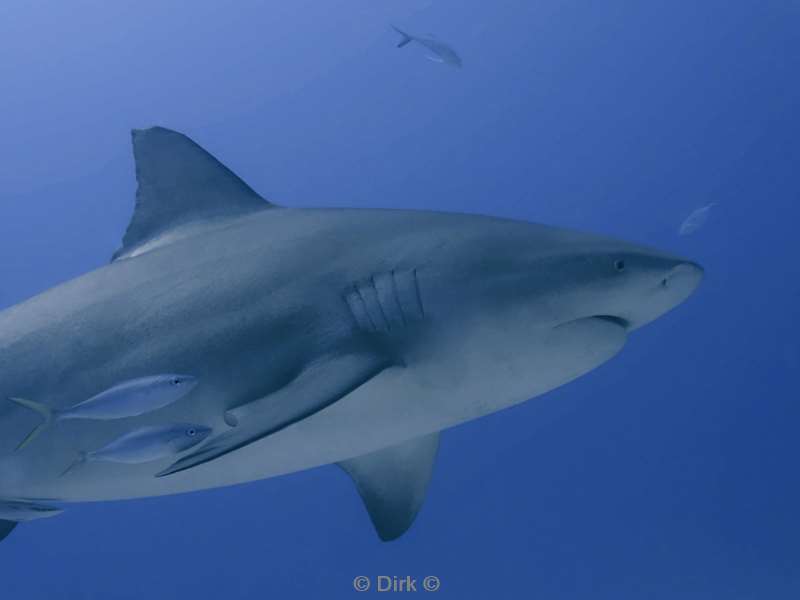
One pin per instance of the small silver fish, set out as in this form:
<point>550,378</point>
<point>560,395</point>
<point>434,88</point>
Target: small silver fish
<point>146,444</point>
<point>129,399</point>
<point>20,510</point>
<point>442,53</point>
<point>696,219</point>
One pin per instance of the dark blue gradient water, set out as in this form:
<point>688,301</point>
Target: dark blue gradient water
<point>670,472</point>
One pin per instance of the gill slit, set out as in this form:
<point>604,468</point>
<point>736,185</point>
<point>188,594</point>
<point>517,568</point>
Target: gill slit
<point>364,304</point>
<point>380,305</point>
<point>419,295</point>
<point>397,299</point>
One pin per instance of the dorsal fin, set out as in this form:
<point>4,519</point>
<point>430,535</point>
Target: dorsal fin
<point>179,184</point>
<point>393,482</point>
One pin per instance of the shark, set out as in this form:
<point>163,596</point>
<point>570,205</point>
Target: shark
<point>317,336</point>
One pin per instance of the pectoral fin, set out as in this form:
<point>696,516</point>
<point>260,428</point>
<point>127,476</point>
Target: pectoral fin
<point>6,527</point>
<point>318,386</point>
<point>393,482</point>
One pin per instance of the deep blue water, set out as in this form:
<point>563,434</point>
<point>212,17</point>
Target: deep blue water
<point>669,472</point>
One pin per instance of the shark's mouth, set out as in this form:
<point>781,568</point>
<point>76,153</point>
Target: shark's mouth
<point>580,345</point>
<point>611,319</point>
<point>624,323</point>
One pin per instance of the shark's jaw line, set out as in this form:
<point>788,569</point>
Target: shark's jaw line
<point>619,321</point>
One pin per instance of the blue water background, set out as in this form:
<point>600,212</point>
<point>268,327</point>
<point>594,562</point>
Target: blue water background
<point>670,472</point>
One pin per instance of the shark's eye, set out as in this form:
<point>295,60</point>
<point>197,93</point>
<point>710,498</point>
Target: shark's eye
<point>176,381</point>
<point>619,265</point>
<point>191,432</point>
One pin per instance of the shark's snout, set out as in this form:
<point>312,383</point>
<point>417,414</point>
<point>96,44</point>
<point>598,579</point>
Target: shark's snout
<point>686,276</point>
<point>670,288</point>
<point>679,283</point>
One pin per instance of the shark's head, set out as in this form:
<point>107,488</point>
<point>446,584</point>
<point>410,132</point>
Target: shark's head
<point>551,276</point>
<point>541,304</point>
<point>625,283</point>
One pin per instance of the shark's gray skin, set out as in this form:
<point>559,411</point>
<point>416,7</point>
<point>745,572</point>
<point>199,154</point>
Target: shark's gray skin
<point>317,336</point>
<point>442,53</point>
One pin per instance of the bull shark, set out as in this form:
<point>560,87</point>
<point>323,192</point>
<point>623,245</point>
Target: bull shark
<point>317,336</point>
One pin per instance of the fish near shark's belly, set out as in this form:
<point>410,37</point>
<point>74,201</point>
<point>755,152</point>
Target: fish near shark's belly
<point>443,382</point>
<point>235,359</point>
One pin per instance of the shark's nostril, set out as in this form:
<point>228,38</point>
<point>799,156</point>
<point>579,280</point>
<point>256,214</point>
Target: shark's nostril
<point>684,276</point>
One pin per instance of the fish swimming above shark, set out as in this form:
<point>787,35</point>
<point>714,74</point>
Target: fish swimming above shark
<point>440,52</point>
<point>320,336</point>
<point>696,219</point>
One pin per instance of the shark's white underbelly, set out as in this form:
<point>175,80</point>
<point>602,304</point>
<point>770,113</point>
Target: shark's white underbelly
<point>432,392</point>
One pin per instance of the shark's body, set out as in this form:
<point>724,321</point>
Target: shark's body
<point>317,336</point>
